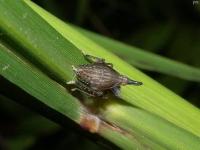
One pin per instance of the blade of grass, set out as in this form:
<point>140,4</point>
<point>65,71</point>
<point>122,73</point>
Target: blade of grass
<point>151,126</point>
<point>50,52</point>
<point>57,98</point>
<point>113,133</point>
<point>144,59</point>
<point>151,96</point>
<point>19,31</point>
<point>24,75</point>
<point>38,85</point>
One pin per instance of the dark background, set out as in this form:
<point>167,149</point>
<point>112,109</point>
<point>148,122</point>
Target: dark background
<point>168,28</point>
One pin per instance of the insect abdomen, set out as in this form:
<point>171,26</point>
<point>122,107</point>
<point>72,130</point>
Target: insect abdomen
<point>98,77</point>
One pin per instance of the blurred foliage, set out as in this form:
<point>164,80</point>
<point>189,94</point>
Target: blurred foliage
<point>169,28</point>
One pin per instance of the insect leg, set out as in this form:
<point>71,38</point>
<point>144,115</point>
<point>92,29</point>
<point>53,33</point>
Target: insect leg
<point>72,81</point>
<point>84,88</point>
<point>109,64</point>
<point>116,91</point>
<point>98,93</point>
<point>77,89</point>
<point>93,59</point>
<point>88,90</point>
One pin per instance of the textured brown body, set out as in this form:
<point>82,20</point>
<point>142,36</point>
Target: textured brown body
<point>96,78</point>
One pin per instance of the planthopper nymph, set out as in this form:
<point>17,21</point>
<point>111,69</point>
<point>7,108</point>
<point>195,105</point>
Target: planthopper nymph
<point>98,77</point>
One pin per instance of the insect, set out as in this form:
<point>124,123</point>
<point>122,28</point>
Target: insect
<point>97,78</point>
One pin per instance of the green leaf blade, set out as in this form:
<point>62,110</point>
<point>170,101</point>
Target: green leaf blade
<point>145,60</point>
<point>151,96</point>
<point>151,127</point>
<point>38,85</point>
<point>50,52</point>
